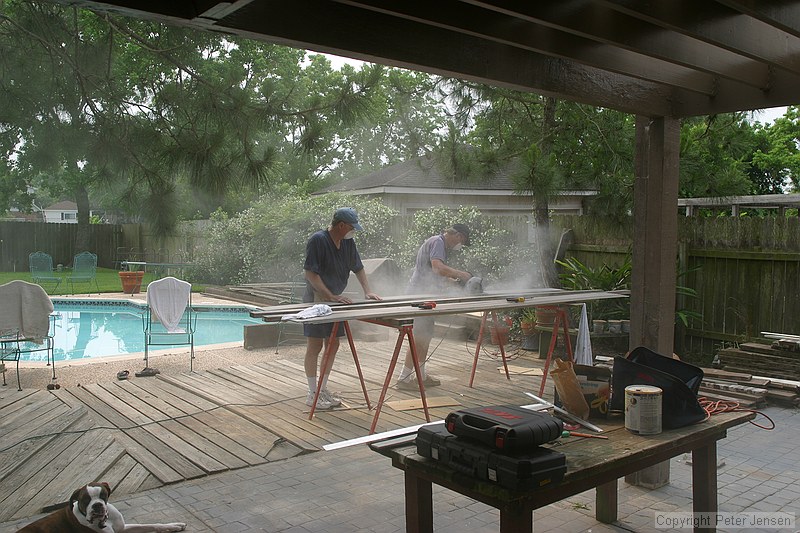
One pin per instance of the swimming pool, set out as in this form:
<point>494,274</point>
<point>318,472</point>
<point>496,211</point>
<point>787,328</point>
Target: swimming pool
<point>104,328</point>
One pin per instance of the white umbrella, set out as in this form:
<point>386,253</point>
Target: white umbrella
<point>583,346</point>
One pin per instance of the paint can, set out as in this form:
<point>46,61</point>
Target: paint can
<point>643,409</point>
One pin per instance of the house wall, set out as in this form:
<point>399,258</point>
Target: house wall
<point>69,216</point>
<point>501,203</point>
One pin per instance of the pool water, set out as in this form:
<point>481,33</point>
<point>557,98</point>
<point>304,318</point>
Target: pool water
<point>102,329</point>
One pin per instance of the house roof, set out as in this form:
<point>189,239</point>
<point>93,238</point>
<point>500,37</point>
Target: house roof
<point>658,58</point>
<point>418,173</point>
<point>64,205</point>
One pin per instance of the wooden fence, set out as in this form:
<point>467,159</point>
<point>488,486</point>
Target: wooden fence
<point>19,239</point>
<point>745,271</point>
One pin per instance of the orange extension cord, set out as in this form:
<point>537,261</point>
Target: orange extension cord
<point>713,407</point>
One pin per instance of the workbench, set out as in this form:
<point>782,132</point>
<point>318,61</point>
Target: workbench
<point>398,312</point>
<point>591,463</point>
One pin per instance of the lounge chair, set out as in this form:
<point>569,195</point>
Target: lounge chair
<point>169,318</point>
<point>41,266</point>
<point>84,270</point>
<point>26,323</point>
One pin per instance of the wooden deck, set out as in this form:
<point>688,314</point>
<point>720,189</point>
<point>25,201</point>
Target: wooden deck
<point>147,432</point>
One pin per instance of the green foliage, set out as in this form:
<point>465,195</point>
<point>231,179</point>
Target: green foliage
<point>268,241</point>
<point>107,281</point>
<point>580,277</point>
<point>778,156</point>
<point>715,153</point>
<point>493,253</point>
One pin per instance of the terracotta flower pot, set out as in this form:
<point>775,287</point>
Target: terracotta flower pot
<point>498,333</point>
<point>527,326</point>
<point>131,281</point>
<point>545,317</point>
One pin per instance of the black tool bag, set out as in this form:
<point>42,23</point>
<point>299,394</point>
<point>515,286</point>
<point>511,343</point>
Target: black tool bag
<point>533,469</point>
<point>507,428</point>
<point>678,381</point>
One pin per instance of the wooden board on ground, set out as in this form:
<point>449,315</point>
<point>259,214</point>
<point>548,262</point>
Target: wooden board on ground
<point>521,370</point>
<point>416,403</point>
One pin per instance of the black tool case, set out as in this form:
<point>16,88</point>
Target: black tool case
<point>507,428</point>
<point>536,468</point>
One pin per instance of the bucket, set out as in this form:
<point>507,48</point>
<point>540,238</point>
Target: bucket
<point>643,409</point>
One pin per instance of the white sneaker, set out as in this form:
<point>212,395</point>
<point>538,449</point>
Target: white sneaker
<point>322,403</point>
<point>331,398</point>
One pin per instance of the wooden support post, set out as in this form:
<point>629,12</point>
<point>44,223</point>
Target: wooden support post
<point>655,241</point>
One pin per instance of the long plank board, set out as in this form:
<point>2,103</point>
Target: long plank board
<point>459,307</point>
<point>276,311</point>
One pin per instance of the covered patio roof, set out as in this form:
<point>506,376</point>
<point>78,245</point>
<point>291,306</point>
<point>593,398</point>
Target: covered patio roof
<point>659,58</point>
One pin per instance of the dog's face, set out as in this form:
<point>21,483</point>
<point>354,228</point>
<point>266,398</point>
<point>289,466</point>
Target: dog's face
<point>91,501</point>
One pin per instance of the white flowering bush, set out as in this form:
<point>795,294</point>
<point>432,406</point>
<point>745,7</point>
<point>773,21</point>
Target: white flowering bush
<point>493,253</point>
<point>268,241</point>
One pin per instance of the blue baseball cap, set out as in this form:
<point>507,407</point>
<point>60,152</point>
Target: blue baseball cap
<point>348,215</point>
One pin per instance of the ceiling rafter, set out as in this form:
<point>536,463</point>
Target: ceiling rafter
<point>660,57</point>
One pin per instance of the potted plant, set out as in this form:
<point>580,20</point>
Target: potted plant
<point>527,328</point>
<point>131,280</point>
<point>527,321</point>
<point>498,331</point>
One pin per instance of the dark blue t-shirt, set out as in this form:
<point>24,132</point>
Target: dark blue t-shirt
<point>332,264</point>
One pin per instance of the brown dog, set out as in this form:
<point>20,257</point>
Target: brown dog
<point>89,511</point>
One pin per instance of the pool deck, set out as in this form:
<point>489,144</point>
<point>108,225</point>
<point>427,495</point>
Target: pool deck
<point>145,433</point>
<point>232,449</point>
<point>198,298</point>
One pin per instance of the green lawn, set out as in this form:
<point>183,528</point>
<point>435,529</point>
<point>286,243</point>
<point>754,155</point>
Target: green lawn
<point>107,281</point>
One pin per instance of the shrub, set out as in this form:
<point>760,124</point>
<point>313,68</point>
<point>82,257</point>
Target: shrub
<point>493,253</point>
<point>267,242</point>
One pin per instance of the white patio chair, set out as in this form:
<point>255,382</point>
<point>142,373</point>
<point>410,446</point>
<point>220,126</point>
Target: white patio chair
<point>169,318</point>
<point>26,323</point>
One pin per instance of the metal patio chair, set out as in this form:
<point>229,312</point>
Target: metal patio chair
<point>84,270</point>
<point>289,333</point>
<point>27,324</point>
<point>169,318</point>
<point>41,267</point>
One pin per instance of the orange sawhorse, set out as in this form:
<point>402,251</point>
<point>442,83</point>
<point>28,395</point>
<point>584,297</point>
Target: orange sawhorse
<point>480,342</point>
<point>327,363</point>
<point>561,321</point>
<point>405,329</point>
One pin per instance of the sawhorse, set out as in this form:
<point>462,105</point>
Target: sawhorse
<point>405,329</point>
<point>560,321</point>
<point>327,364</point>
<point>480,343</point>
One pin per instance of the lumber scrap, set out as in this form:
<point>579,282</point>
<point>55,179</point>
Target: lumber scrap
<point>715,395</point>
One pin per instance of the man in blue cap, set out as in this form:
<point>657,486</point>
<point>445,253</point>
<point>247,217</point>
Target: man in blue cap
<point>330,257</point>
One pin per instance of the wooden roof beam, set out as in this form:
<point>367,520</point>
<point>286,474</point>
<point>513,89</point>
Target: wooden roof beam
<point>600,23</point>
<point>783,14</point>
<point>735,31</point>
<point>382,38</point>
<point>527,35</point>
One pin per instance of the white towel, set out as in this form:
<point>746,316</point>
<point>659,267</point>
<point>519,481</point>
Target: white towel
<point>310,312</point>
<point>168,299</point>
<point>25,309</point>
<point>583,345</point>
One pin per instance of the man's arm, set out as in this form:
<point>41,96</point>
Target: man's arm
<point>322,289</point>
<point>440,268</point>
<point>361,276</point>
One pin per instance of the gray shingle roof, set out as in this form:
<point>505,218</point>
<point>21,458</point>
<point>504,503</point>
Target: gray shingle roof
<point>418,173</point>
